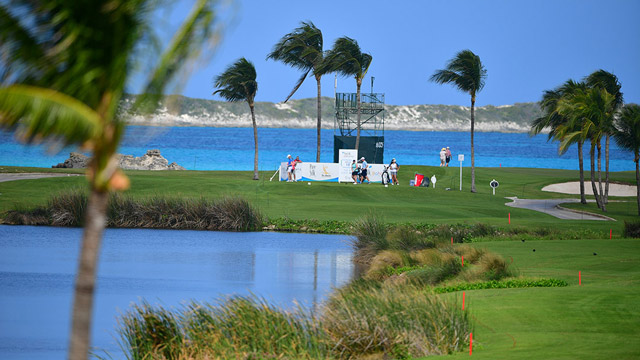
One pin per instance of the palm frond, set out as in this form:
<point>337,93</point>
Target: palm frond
<point>19,48</point>
<point>185,45</point>
<point>465,71</point>
<point>569,139</point>
<point>608,81</point>
<point>628,128</point>
<point>347,59</point>
<point>47,113</point>
<point>237,82</point>
<point>297,86</point>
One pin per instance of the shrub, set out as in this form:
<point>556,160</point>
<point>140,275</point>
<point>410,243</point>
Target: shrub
<point>494,267</point>
<point>406,238</point>
<point>632,229</point>
<point>427,257</point>
<point>471,254</point>
<point>447,267</point>
<point>503,284</point>
<point>394,322</point>
<point>380,263</point>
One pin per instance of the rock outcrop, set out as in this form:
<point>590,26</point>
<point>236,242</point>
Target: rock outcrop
<point>75,161</point>
<point>152,160</point>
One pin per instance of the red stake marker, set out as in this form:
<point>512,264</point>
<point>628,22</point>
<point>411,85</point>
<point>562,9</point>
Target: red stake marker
<point>470,343</point>
<point>579,277</point>
<point>509,218</point>
<point>610,233</point>
<point>462,260</point>
<point>463,300</point>
<point>452,240</point>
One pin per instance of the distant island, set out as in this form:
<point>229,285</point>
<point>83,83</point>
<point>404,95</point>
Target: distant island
<point>177,110</point>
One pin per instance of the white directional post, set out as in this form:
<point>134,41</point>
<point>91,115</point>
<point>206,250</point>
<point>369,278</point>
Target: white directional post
<point>461,159</point>
<point>494,184</point>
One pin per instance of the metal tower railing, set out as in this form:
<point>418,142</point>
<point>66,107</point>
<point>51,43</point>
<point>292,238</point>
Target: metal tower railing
<point>371,114</point>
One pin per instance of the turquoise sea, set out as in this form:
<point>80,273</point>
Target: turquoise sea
<point>207,148</point>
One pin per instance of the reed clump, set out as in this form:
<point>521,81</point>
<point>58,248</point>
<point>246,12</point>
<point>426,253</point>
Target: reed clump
<point>236,328</point>
<point>394,322</point>
<point>156,212</point>
<point>365,319</point>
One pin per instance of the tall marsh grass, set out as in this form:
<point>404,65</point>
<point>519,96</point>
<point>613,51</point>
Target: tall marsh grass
<point>394,323</point>
<point>360,320</point>
<point>237,328</point>
<point>159,212</point>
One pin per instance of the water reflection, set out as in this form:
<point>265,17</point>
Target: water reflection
<point>37,266</point>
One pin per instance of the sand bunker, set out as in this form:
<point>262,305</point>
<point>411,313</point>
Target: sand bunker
<point>574,188</point>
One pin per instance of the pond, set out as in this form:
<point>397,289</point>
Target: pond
<point>164,267</point>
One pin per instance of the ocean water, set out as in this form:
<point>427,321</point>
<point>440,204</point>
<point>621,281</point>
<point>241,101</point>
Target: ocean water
<point>205,148</point>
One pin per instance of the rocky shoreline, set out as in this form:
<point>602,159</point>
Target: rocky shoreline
<point>152,160</point>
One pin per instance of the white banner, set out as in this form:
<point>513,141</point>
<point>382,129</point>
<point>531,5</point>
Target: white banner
<point>345,158</point>
<point>312,171</point>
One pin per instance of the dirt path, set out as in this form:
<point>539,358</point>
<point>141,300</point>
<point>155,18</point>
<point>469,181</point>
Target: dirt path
<point>24,176</point>
<point>551,207</point>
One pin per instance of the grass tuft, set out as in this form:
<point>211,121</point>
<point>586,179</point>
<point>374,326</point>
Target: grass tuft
<point>394,322</point>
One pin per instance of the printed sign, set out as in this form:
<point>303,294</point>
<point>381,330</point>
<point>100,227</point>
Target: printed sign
<point>312,171</point>
<point>460,157</point>
<point>345,158</point>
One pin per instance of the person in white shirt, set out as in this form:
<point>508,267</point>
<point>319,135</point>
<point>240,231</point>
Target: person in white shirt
<point>393,170</point>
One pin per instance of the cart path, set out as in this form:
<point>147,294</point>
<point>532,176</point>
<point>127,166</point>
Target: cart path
<point>25,176</point>
<point>551,207</point>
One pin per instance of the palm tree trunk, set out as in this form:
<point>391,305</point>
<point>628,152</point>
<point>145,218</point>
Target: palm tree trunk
<point>473,161</point>
<point>592,152</point>
<point>638,181</point>
<point>359,83</point>
<point>583,198</point>
<point>95,221</point>
<point>255,142</point>
<point>319,117</point>
<point>606,171</point>
<point>601,195</point>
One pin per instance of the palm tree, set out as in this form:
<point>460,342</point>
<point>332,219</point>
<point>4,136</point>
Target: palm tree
<point>66,64</point>
<point>347,59</point>
<point>627,136</point>
<point>302,49</point>
<point>557,123</point>
<point>605,80</point>
<point>238,83</point>
<point>466,72</point>
<point>593,110</point>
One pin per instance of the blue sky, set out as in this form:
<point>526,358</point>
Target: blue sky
<point>526,46</point>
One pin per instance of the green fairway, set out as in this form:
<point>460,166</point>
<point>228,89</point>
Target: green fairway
<point>598,320</point>
<point>347,202</point>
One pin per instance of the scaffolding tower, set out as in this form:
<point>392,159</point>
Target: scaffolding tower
<point>371,125</point>
<point>371,114</point>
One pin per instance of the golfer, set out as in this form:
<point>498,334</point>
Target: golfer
<point>393,170</point>
<point>363,172</point>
